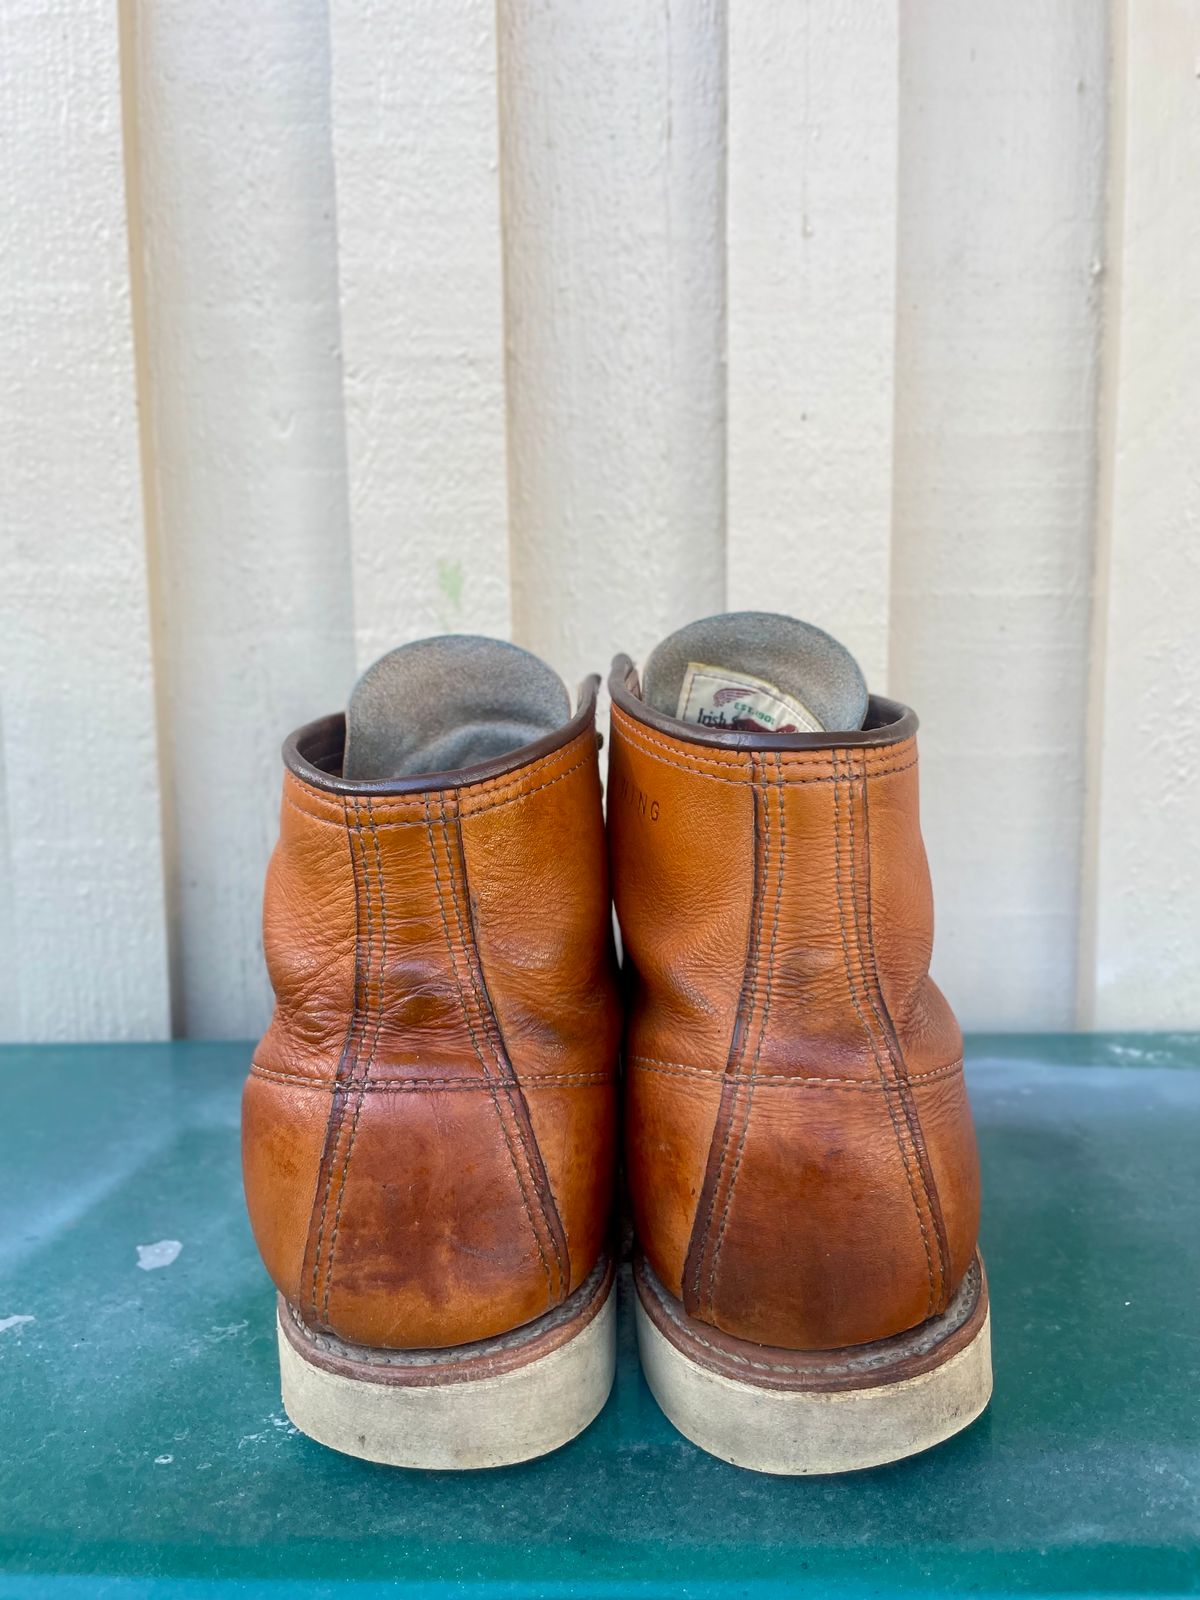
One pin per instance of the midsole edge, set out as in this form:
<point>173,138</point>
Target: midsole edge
<point>853,1368</point>
<point>471,1362</point>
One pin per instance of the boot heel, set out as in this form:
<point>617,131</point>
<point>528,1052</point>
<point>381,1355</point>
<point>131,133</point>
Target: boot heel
<point>487,1404</point>
<point>799,1412</point>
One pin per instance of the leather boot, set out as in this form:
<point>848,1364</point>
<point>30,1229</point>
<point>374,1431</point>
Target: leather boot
<point>429,1121</point>
<point>799,1144</point>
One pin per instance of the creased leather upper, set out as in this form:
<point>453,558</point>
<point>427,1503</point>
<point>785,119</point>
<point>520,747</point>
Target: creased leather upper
<point>428,1126</point>
<point>800,1149</point>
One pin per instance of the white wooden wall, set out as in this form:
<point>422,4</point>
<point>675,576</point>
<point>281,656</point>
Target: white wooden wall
<point>330,325</point>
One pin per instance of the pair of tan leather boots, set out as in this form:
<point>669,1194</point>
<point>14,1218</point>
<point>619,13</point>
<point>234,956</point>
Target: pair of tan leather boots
<point>432,1122</point>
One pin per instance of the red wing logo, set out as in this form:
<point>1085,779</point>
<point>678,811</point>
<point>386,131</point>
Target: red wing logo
<point>724,696</point>
<point>748,725</point>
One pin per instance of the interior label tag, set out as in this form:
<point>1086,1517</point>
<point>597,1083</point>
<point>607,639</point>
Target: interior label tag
<point>722,699</point>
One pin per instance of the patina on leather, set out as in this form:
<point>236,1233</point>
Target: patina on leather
<point>429,1122</point>
<point>800,1150</point>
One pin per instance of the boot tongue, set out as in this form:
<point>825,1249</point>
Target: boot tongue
<point>441,704</point>
<point>755,672</point>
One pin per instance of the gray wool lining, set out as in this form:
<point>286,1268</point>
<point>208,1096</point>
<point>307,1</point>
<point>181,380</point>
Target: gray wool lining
<point>798,658</point>
<point>439,704</point>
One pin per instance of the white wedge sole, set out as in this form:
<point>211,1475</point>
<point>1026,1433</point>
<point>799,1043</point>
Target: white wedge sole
<point>482,1405</point>
<point>840,1420</point>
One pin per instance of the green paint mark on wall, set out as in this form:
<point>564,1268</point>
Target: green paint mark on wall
<point>450,583</point>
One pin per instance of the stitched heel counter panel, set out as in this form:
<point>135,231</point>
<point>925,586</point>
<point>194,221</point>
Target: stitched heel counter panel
<point>821,1244</point>
<point>851,1137</point>
<point>428,1242</point>
<point>384,1120</point>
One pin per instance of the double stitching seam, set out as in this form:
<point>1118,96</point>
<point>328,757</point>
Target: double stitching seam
<point>354,1033</point>
<point>366,1072</point>
<point>762,1026</point>
<point>689,761</point>
<point>498,790</point>
<point>509,796</point>
<point>895,1056</point>
<point>515,798</point>
<point>499,1057</point>
<point>750,986</point>
<point>582,742</point>
<point>634,731</point>
<point>688,767</point>
<point>323,1081</point>
<point>462,997</point>
<point>852,986</point>
<point>795,1080</point>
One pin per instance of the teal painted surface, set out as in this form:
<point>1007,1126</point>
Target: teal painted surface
<point>144,1451</point>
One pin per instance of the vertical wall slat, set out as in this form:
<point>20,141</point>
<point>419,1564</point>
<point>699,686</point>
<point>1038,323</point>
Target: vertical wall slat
<point>1000,261</point>
<point>551,224</point>
<point>245,411</point>
<point>418,218</point>
<point>611,130</point>
<point>80,865</point>
<point>1141,940</point>
<point>812,264</point>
